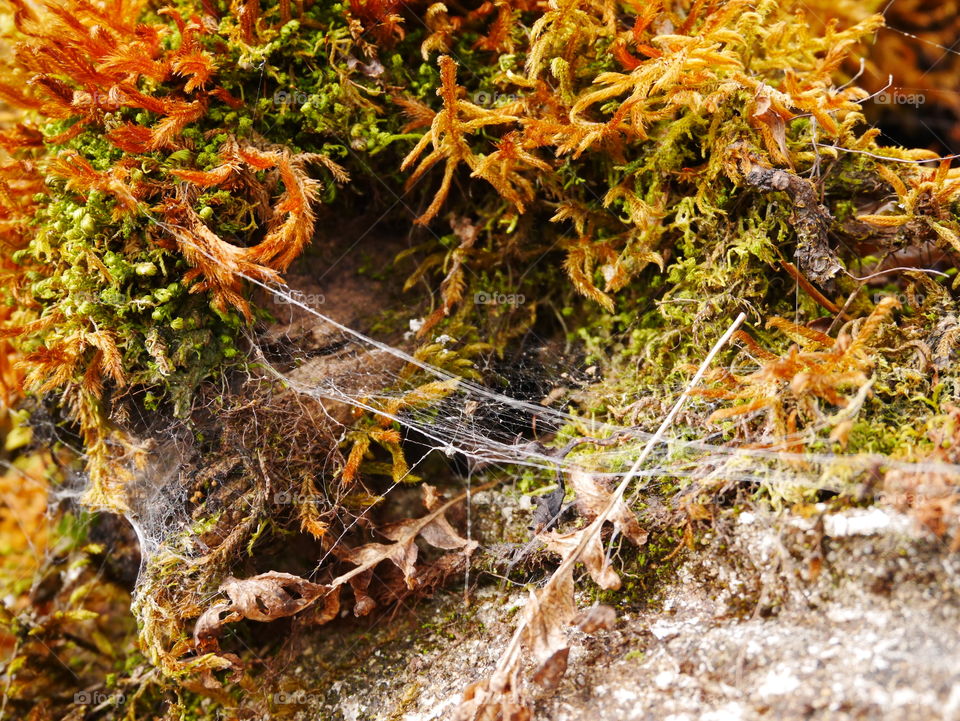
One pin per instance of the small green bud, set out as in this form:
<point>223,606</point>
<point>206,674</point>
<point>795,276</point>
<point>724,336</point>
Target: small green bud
<point>145,269</point>
<point>206,212</point>
<point>88,225</point>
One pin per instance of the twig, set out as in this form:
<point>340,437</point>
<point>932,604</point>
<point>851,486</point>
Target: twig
<point>842,313</point>
<point>819,297</point>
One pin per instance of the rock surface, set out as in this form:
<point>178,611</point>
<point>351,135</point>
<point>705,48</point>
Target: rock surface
<point>850,615</point>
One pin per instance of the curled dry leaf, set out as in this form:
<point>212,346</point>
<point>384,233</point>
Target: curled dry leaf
<point>597,618</point>
<point>271,595</point>
<point>592,498</point>
<point>568,545</point>
<point>274,595</point>
<point>363,601</point>
<point>435,529</point>
<point>324,611</point>
<point>210,625</point>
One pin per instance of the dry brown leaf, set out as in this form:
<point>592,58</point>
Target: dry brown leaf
<point>271,595</point>
<point>597,618</point>
<point>433,528</point>
<point>487,701</point>
<point>403,553</point>
<point>570,545</point>
<point>592,498</point>
<point>551,671</point>
<point>319,614</point>
<point>430,496</point>
<point>363,601</point>
<point>546,615</point>
<point>210,625</point>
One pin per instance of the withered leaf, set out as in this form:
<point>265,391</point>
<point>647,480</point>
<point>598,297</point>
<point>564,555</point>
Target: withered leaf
<point>769,118</point>
<point>486,700</point>
<point>568,545</point>
<point>210,625</point>
<point>364,602</point>
<point>592,499</point>
<point>403,554</point>
<point>431,499</point>
<point>551,671</point>
<point>271,595</point>
<point>434,528</point>
<point>597,618</point>
<point>547,614</point>
<point>322,612</point>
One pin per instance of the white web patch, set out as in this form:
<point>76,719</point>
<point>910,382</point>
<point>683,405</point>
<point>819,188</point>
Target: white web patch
<point>490,428</point>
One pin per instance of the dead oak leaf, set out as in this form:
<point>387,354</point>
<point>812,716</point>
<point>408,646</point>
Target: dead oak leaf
<point>592,499</point>
<point>271,595</point>
<point>274,594</point>
<point>597,618</point>
<point>434,529</point>
<point>592,555</point>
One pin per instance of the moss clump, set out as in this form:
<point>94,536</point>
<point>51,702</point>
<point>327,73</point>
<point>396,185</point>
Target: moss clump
<point>626,179</point>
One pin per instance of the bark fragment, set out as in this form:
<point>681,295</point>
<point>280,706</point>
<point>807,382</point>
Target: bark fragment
<point>816,258</point>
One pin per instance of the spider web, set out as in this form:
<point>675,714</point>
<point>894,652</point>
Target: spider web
<point>486,428</point>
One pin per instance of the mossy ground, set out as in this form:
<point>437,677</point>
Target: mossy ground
<point>629,178</point>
